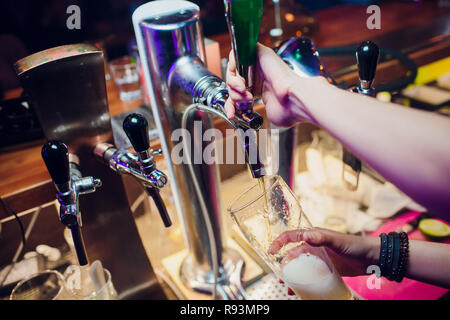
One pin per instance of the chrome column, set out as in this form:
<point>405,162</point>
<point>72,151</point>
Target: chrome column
<point>169,36</point>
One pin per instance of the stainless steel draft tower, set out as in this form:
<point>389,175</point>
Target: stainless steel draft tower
<point>171,48</point>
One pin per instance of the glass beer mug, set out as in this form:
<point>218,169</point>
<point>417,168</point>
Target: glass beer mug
<point>264,212</point>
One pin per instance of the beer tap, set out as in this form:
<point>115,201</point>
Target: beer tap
<point>244,20</point>
<point>74,109</point>
<point>142,165</point>
<point>182,92</point>
<point>69,184</point>
<point>367,55</point>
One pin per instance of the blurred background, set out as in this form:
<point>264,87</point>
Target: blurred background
<point>28,26</point>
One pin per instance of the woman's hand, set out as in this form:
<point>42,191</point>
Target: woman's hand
<point>351,255</point>
<point>275,82</point>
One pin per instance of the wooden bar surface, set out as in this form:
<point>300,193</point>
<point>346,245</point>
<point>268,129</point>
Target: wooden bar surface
<point>25,182</point>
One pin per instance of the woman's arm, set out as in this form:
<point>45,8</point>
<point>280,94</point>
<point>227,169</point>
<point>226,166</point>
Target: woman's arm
<point>428,261</point>
<point>408,147</point>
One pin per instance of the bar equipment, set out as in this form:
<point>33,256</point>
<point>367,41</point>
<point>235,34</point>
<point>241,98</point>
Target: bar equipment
<point>142,167</point>
<point>67,88</point>
<point>244,21</point>
<point>70,184</point>
<point>367,55</point>
<point>182,93</point>
<point>263,216</point>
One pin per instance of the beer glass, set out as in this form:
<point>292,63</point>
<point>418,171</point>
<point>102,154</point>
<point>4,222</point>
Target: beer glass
<point>82,287</point>
<point>265,211</point>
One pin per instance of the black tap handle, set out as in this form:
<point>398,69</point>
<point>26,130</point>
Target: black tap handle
<point>367,59</point>
<point>136,128</point>
<point>56,158</point>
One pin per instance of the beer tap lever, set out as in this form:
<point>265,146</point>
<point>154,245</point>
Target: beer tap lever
<point>142,165</point>
<point>69,184</point>
<point>367,55</point>
<point>136,128</point>
<point>56,158</point>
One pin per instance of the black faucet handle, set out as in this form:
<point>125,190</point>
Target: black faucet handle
<point>367,55</point>
<point>136,128</point>
<point>56,158</point>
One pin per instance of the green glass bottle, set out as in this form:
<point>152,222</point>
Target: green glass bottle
<point>244,20</point>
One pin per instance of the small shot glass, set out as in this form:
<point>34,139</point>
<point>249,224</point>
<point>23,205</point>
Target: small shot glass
<point>126,76</point>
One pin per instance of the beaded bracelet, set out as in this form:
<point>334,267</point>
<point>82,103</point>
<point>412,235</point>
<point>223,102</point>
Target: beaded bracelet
<point>404,255</point>
<point>394,253</point>
<point>383,253</point>
<point>390,255</point>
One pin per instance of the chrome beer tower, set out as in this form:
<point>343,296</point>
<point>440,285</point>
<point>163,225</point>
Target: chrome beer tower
<point>182,91</point>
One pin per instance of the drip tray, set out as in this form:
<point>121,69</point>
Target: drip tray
<point>252,273</point>
<point>268,288</point>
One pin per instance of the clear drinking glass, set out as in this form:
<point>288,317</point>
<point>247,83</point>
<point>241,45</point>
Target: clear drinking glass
<point>82,287</point>
<point>45,285</point>
<point>126,76</point>
<point>265,211</point>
